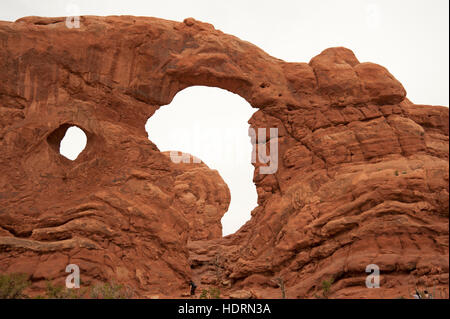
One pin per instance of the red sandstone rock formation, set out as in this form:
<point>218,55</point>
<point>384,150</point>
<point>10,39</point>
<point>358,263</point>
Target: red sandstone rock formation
<point>201,195</point>
<point>362,177</point>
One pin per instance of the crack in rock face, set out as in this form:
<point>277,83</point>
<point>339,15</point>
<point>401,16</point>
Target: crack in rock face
<point>362,172</point>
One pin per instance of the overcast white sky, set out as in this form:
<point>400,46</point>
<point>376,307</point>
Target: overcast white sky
<point>408,37</point>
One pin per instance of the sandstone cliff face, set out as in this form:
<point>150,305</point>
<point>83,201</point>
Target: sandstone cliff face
<point>362,176</point>
<point>201,196</point>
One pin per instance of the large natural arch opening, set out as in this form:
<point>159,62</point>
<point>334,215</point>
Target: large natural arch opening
<point>211,124</point>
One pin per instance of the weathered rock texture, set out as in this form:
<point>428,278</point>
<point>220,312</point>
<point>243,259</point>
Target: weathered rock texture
<point>362,178</point>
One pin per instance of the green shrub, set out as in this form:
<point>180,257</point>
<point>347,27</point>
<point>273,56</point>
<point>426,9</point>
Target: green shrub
<point>204,294</point>
<point>61,292</point>
<point>111,291</point>
<point>99,291</point>
<point>212,293</point>
<point>13,285</point>
<point>326,286</point>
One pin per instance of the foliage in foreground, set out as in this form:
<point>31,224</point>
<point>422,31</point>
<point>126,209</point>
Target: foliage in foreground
<point>61,292</point>
<point>111,291</point>
<point>326,286</point>
<point>211,293</point>
<point>12,286</point>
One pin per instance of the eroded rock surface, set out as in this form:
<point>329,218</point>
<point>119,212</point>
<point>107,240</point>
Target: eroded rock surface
<point>362,176</point>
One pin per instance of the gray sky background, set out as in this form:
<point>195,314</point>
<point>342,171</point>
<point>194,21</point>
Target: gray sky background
<point>408,37</point>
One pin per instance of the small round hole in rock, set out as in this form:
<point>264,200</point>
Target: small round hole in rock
<point>73,143</point>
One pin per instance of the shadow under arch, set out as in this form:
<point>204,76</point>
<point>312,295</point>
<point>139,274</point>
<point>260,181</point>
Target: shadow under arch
<point>211,124</point>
